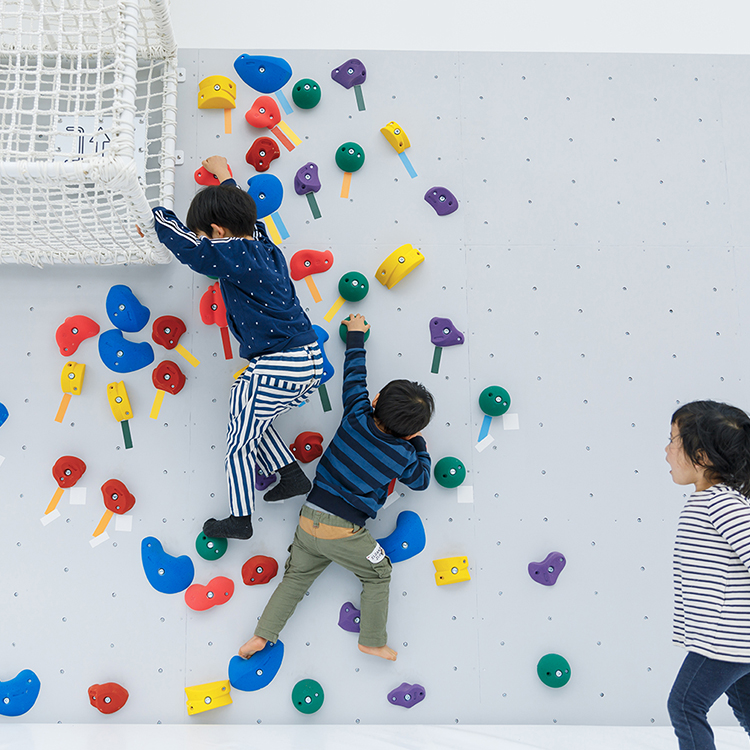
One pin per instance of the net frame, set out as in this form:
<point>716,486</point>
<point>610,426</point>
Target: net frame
<point>88,103</point>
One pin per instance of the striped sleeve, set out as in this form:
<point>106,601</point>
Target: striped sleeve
<point>730,516</point>
<point>354,391</point>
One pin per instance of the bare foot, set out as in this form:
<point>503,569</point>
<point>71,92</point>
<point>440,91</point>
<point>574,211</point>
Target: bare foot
<point>256,643</point>
<point>384,652</point>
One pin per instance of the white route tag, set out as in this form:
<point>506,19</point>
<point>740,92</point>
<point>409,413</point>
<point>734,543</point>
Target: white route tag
<point>376,555</point>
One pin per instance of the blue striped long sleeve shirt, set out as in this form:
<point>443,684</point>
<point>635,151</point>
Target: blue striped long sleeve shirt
<point>712,575</point>
<point>358,465</point>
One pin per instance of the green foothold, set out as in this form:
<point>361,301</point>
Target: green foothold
<point>494,401</point>
<point>307,696</point>
<point>306,93</point>
<point>350,156</point>
<point>449,472</point>
<point>353,286</point>
<point>553,670</point>
<point>209,548</point>
<point>343,331</point>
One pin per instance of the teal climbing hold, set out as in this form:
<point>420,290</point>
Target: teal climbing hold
<point>449,472</point>
<point>210,548</point>
<point>307,696</point>
<point>553,670</point>
<point>257,671</point>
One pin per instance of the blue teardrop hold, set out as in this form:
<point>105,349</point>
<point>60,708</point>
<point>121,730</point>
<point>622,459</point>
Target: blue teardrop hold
<point>262,72</point>
<point>167,574</point>
<point>124,309</point>
<point>267,192</point>
<point>121,355</point>
<point>3,414</point>
<point>18,695</point>
<point>257,671</point>
<point>408,538</point>
<point>328,370</point>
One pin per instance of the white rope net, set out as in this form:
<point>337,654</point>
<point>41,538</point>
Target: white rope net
<point>88,95</point>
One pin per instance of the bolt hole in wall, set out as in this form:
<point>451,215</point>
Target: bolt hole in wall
<point>542,271</point>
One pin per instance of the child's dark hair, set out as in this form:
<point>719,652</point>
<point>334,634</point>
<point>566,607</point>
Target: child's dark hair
<point>404,408</point>
<point>716,437</point>
<point>225,205</point>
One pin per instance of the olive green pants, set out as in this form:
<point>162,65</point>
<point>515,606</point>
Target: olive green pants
<point>309,556</point>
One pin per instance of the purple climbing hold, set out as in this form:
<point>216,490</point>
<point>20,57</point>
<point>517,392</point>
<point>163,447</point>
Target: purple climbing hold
<point>349,618</point>
<point>263,482</point>
<point>306,180</point>
<point>351,73</point>
<point>444,333</point>
<point>547,571</point>
<point>406,695</point>
<point>442,200</point>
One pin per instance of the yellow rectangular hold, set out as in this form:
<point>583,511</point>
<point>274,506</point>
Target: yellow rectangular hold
<point>451,570</point>
<point>208,696</point>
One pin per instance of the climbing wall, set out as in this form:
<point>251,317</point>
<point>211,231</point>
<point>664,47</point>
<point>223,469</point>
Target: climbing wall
<point>597,266</point>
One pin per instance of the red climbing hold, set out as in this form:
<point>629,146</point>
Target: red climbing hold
<point>263,151</point>
<point>108,698</point>
<point>168,377</point>
<point>116,497</point>
<point>68,470</point>
<point>73,331</point>
<point>218,591</point>
<point>307,262</point>
<point>259,569</point>
<point>307,446</point>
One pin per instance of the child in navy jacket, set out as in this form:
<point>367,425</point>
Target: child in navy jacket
<point>223,239</point>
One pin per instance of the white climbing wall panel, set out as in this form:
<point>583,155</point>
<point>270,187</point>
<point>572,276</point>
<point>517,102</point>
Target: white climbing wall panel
<point>598,266</point>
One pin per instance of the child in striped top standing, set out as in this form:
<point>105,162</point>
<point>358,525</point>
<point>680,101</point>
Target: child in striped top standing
<point>709,447</point>
<point>374,444</point>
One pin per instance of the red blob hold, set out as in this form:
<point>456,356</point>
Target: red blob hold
<point>167,376</point>
<point>259,569</point>
<point>263,151</point>
<point>68,470</point>
<point>307,262</point>
<point>205,178</point>
<point>116,497</point>
<point>218,591</point>
<point>167,330</point>
<point>307,446</point>
<point>264,113</point>
<point>108,698</point>
<point>73,331</point>
<point>212,308</point>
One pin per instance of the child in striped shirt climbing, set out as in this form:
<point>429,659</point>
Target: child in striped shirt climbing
<point>375,443</point>
<point>709,447</point>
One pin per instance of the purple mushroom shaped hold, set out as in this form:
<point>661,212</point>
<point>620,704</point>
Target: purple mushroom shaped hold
<point>263,482</point>
<point>547,571</point>
<point>349,618</point>
<point>306,180</point>
<point>442,200</point>
<point>444,333</point>
<point>351,73</point>
<point>406,695</point>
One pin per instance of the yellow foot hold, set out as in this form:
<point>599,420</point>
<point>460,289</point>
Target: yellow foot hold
<point>395,135</point>
<point>202,698</point>
<point>451,570</point>
<point>119,401</point>
<point>217,92</point>
<point>402,261</point>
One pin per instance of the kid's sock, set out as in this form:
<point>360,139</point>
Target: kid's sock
<point>234,527</point>
<point>292,482</point>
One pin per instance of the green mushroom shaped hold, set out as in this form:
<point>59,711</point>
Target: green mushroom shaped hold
<point>343,330</point>
<point>353,286</point>
<point>350,156</point>
<point>494,401</point>
<point>307,696</point>
<point>553,670</point>
<point>306,93</point>
<point>449,472</point>
<point>210,548</point>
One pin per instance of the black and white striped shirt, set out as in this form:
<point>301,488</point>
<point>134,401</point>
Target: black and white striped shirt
<point>712,575</point>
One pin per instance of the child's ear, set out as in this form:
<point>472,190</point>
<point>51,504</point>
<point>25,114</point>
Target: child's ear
<point>218,232</point>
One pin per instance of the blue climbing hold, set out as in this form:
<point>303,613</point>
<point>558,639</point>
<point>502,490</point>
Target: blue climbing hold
<point>262,72</point>
<point>167,574</point>
<point>124,309</point>
<point>18,695</point>
<point>257,671</point>
<point>3,414</point>
<point>322,335</point>
<point>121,355</point>
<point>267,192</point>
<point>408,538</point>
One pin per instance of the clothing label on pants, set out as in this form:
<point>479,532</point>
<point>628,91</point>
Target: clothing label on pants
<point>376,555</point>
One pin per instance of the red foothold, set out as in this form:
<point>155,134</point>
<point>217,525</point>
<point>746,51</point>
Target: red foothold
<point>307,262</point>
<point>264,113</point>
<point>167,376</point>
<point>212,308</point>
<point>218,591</point>
<point>307,446</point>
<point>68,470</point>
<point>73,331</point>
<point>263,151</point>
<point>116,497</point>
<point>259,569</point>
<point>206,178</point>
<point>108,698</point>
<point>166,331</point>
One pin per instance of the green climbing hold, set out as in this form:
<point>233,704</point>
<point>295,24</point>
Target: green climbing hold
<point>494,401</point>
<point>449,472</point>
<point>553,670</point>
<point>209,548</point>
<point>306,93</point>
<point>353,286</point>
<point>350,156</point>
<point>343,331</point>
<point>307,696</point>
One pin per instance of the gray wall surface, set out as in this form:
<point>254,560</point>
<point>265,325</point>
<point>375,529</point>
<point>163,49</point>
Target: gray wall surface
<point>597,265</point>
